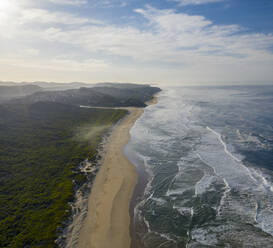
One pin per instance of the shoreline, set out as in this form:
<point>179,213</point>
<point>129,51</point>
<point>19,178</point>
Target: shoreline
<point>108,219</point>
<point>143,179</point>
<point>106,224</point>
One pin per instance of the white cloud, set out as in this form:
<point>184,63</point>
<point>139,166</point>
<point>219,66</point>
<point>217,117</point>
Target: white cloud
<point>170,21</point>
<point>172,47</point>
<point>48,17</point>
<point>196,2</point>
<point>108,3</point>
<point>69,2</point>
<point>172,37</point>
<point>57,64</point>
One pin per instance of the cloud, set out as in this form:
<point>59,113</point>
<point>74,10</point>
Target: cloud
<point>69,2</point>
<point>196,2</point>
<point>170,21</point>
<point>44,16</point>
<point>108,3</point>
<point>50,17</point>
<point>57,64</point>
<point>171,46</point>
<point>171,37</point>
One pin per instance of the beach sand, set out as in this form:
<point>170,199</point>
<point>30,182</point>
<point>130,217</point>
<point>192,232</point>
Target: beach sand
<point>108,220</point>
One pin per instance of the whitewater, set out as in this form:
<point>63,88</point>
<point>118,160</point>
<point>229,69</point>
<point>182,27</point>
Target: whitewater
<point>207,156</point>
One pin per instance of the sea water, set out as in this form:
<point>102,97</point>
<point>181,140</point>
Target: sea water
<point>207,153</point>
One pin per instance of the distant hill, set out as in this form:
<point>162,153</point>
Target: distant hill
<point>112,95</point>
<point>53,86</point>
<point>121,85</point>
<point>8,83</point>
<point>11,92</point>
<point>49,86</point>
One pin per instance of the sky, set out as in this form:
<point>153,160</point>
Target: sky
<point>152,41</point>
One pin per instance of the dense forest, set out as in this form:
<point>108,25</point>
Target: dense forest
<point>109,95</point>
<point>44,136</point>
<point>41,146</point>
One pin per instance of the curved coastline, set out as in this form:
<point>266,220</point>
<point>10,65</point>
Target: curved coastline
<point>107,223</point>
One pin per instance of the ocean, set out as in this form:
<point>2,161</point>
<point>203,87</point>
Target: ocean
<point>205,161</point>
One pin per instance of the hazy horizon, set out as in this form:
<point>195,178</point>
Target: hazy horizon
<point>162,85</point>
<point>166,42</point>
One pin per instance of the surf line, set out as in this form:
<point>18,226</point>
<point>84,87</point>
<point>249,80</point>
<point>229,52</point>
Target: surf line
<point>230,154</point>
<point>224,145</point>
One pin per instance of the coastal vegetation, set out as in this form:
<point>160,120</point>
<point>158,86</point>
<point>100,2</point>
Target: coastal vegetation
<point>15,91</point>
<point>45,135</point>
<point>110,95</point>
<point>41,146</point>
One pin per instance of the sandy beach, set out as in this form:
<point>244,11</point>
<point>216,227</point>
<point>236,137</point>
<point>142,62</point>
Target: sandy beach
<point>108,220</point>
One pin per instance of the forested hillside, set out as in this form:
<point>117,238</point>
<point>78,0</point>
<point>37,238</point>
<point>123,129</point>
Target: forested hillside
<point>11,92</point>
<point>41,146</point>
<point>109,95</point>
